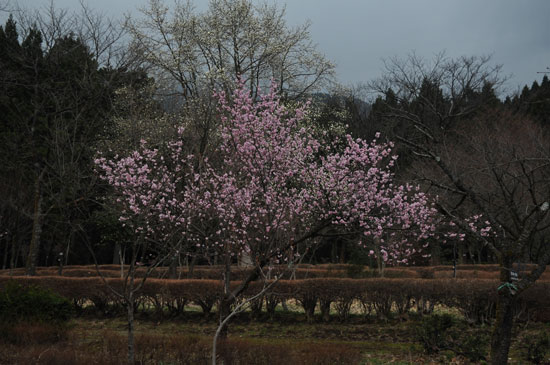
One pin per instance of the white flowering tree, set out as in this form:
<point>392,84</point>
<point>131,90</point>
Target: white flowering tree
<point>190,54</point>
<point>231,39</point>
<point>144,190</point>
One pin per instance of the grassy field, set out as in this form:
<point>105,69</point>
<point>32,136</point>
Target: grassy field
<point>288,338</point>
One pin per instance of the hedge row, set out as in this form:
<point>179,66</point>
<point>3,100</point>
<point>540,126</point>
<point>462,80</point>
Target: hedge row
<point>200,272</point>
<point>476,299</point>
<point>302,272</point>
<point>216,272</point>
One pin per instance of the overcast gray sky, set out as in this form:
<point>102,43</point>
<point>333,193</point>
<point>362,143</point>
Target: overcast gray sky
<point>358,34</point>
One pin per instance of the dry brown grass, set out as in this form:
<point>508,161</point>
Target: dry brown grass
<point>109,346</point>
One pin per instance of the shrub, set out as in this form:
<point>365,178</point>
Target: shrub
<point>381,294</point>
<point>536,349</point>
<point>32,303</point>
<point>474,298</point>
<point>443,332</point>
<point>473,346</point>
<point>433,332</point>
<point>308,298</point>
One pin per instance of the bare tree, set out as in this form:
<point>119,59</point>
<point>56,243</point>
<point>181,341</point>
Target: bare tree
<point>482,162</point>
<point>425,98</point>
<point>5,6</point>
<point>104,36</point>
<point>500,165</point>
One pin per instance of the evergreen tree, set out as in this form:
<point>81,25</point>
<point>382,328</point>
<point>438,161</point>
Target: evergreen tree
<point>55,106</point>
<point>534,102</point>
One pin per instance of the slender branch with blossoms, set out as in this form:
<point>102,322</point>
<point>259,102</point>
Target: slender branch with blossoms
<point>358,187</point>
<point>145,191</point>
<point>476,226</point>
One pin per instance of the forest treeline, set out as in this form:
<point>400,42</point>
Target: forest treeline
<point>76,85</point>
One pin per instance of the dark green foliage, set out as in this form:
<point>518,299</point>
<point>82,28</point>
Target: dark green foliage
<point>444,332</point>
<point>433,332</point>
<point>20,303</point>
<point>474,345</point>
<point>536,349</point>
<point>56,106</point>
<point>534,102</point>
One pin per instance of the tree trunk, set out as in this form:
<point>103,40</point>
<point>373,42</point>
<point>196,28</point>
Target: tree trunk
<point>460,257</point>
<point>479,253</point>
<point>324,305</point>
<point>309,304</point>
<point>238,308</point>
<point>334,252</point>
<point>507,293</point>
<point>131,346</point>
<point>34,247</point>
<point>173,268</point>
<point>342,258</point>
<point>215,347</point>
<point>229,298</point>
<point>224,311</point>
<point>380,263</point>
<point>116,254</point>
<point>225,303</point>
<point>62,255</point>
<point>60,263</point>
<point>122,259</point>
<point>48,249</point>
<point>66,256</point>
<point>5,259</point>
<point>221,331</point>
<point>470,252</point>
<point>191,267</point>
<point>14,253</point>
<point>502,332</point>
<point>129,294</point>
<point>256,307</point>
<point>381,266</point>
<point>435,258</point>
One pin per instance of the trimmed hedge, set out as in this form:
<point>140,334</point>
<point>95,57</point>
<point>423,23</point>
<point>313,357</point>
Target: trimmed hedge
<point>20,301</point>
<point>476,299</point>
<point>303,271</point>
<point>199,272</point>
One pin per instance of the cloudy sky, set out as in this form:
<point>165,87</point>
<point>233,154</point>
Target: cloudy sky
<point>358,34</point>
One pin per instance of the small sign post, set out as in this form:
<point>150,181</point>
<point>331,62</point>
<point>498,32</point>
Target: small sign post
<point>510,285</point>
